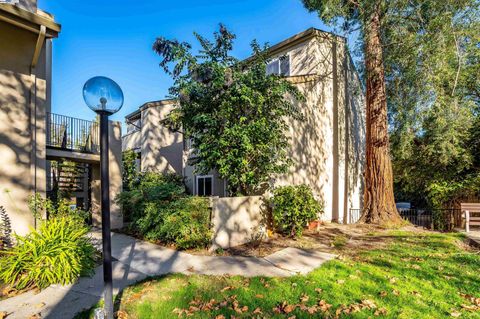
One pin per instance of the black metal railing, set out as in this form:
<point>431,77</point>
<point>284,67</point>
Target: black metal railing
<point>73,134</point>
<point>435,219</point>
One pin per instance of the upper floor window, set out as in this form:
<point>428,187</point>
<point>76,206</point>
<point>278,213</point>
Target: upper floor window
<point>279,66</point>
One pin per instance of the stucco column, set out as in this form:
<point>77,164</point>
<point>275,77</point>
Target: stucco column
<point>115,165</point>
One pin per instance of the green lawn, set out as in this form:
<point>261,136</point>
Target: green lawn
<point>416,275</point>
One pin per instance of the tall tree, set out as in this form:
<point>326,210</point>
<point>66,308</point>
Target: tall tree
<point>432,65</point>
<point>369,16</point>
<point>234,113</point>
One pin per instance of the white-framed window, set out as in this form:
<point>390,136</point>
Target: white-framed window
<point>279,66</point>
<point>204,185</point>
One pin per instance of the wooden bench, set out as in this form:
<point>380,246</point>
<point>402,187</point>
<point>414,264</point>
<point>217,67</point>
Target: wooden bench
<point>468,212</point>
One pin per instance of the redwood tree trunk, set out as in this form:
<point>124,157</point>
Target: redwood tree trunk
<point>379,202</point>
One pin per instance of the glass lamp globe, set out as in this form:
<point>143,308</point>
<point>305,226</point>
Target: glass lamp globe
<point>102,94</point>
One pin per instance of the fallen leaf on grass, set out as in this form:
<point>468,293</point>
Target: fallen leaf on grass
<point>304,298</point>
<point>257,311</point>
<point>259,296</point>
<point>381,312</point>
<point>324,306</point>
<point>284,307</point>
<point>383,293</point>
<point>319,290</point>
<point>340,281</point>
<point>470,307</point>
<point>455,314</point>
<point>226,288</point>
<point>121,314</point>
<point>220,317</point>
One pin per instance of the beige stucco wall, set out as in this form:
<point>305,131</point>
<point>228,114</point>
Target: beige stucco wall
<point>115,173</point>
<point>22,122</point>
<point>161,149</point>
<point>236,220</point>
<point>327,144</point>
<point>132,141</point>
<point>30,5</point>
<point>311,138</point>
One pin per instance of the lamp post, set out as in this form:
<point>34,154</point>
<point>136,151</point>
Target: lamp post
<point>104,97</point>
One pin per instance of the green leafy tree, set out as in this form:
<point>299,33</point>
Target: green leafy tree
<point>432,67</point>
<point>423,56</point>
<point>129,172</point>
<point>233,112</point>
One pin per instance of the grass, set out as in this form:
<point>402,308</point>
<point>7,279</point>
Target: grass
<point>423,275</point>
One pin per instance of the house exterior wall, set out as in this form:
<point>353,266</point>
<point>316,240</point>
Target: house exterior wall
<point>115,173</point>
<point>30,5</point>
<point>23,103</point>
<point>132,141</point>
<point>327,145</point>
<point>161,149</point>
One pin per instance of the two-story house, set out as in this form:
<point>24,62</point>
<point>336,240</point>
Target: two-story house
<point>327,146</point>
<point>42,152</point>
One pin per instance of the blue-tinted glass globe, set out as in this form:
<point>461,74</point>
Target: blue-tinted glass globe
<point>102,94</point>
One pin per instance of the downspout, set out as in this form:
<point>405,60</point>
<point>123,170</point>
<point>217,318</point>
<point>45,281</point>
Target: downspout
<point>33,109</point>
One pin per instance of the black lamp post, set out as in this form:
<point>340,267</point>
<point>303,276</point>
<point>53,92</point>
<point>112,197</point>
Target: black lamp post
<point>105,98</point>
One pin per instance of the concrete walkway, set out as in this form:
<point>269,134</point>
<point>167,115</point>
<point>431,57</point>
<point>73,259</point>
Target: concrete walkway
<point>474,237</point>
<point>136,260</point>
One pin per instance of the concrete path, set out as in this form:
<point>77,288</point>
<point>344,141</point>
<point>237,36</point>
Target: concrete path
<point>474,237</point>
<point>136,260</point>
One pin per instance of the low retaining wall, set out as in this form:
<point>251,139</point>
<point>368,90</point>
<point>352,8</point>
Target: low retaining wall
<point>236,220</point>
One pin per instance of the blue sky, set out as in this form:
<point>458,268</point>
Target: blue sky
<point>114,39</point>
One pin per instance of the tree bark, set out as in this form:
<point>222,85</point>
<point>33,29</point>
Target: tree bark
<point>379,202</point>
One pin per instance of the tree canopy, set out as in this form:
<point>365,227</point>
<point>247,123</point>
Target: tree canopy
<point>431,58</point>
<point>233,112</point>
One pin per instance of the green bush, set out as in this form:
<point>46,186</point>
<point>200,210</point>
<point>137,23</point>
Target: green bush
<point>160,210</point>
<point>60,208</point>
<point>293,207</point>
<point>57,253</point>
<point>188,223</point>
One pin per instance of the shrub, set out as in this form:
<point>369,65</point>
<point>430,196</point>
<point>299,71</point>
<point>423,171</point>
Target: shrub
<point>293,207</point>
<point>188,223</point>
<point>58,253</point>
<point>60,208</point>
<point>160,210</point>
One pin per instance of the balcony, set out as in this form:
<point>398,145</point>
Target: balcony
<point>72,134</point>
<point>72,138</point>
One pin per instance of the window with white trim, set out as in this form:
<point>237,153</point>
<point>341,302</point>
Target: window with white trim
<point>279,66</point>
<point>204,185</point>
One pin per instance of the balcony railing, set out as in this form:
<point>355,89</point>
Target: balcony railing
<point>72,134</point>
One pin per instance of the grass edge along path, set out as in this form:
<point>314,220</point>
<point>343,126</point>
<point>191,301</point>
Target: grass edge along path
<point>416,275</point>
